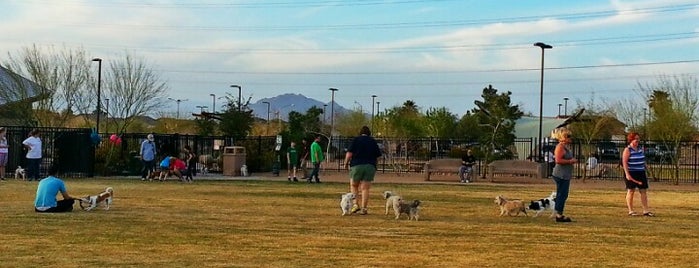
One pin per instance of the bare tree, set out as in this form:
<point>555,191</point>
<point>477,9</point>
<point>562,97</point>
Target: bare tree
<point>63,76</point>
<point>133,89</point>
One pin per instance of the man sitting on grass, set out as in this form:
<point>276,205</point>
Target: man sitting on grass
<point>46,195</point>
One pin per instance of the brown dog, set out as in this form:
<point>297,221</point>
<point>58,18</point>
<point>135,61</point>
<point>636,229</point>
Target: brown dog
<point>510,207</point>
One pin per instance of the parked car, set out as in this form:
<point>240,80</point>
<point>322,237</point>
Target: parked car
<point>608,150</point>
<point>659,152</point>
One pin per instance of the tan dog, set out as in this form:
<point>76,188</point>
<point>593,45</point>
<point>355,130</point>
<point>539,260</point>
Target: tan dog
<point>510,207</point>
<point>392,201</point>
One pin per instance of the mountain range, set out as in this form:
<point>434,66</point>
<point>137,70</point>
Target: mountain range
<point>280,106</point>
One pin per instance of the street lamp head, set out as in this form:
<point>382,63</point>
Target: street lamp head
<point>212,95</point>
<point>374,96</point>
<point>542,45</point>
<point>333,89</point>
<point>97,59</point>
<point>236,86</point>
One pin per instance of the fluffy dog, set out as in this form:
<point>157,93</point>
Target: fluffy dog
<point>392,201</point>
<point>510,207</point>
<point>20,173</point>
<point>155,175</point>
<point>92,201</point>
<point>543,204</point>
<point>411,209</point>
<point>346,203</point>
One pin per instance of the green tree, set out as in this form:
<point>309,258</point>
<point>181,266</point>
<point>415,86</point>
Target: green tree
<point>496,115</point>
<point>675,109</point>
<point>236,121</point>
<point>440,123</point>
<point>349,123</point>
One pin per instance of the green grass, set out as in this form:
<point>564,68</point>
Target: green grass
<point>277,224</point>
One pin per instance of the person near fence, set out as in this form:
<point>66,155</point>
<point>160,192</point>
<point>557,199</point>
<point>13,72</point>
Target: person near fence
<point>33,146</point>
<point>466,169</point>
<point>360,159</point>
<point>305,153</point>
<point>3,152</point>
<point>563,170</point>
<point>191,159</point>
<point>550,160</point>
<point>46,192</point>
<point>634,163</point>
<point>147,156</point>
<point>316,159</point>
<point>292,162</point>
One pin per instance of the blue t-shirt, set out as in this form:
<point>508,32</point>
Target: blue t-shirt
<point>46,192</point>
<point>165,163</point>
<point>364,151</point>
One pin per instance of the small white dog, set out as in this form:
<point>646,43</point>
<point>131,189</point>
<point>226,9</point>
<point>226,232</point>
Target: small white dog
<point>90,202</point>
<point>510,207</point>
<point>392,201</point>
<point>543,204</point>
<point>20,173</point>
<point>244,171</point>
<point>346,203</point>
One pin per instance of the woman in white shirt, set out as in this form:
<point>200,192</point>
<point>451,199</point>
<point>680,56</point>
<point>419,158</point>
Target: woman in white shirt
<point>33,145</point>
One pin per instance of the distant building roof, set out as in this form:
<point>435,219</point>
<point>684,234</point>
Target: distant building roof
<point>16,88</point>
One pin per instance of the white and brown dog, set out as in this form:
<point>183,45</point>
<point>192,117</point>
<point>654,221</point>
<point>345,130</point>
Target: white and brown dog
<point>20,173</point>
<point>392,201</point>
<point>510,207</point>
<point>89,202</point>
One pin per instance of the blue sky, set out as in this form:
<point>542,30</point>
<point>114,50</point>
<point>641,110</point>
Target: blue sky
<point>436,53</point>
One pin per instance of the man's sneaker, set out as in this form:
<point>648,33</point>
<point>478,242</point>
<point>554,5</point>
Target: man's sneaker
<point>363,212</point>
<point>468,181</point>
<point>295,179</point>
<point>288,178</point>
<point>462,181</point>
<point>354,209</point>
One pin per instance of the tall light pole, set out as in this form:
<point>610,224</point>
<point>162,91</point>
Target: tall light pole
<point>565,111</point>
<point>373,103</point>
<point>240,103</point>
<point>332,110</point>
<point>378,104</point>
<point>99,92</point>
<point>201,108</point>
<point>106,114</point>
<point>267,102</point>
<point>213,105</point>
<point>541,94</point>
<point>324,106</point>
<point>559,110</point>
<point>178,105</point>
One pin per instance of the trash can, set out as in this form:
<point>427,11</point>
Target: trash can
<point>233,160</point>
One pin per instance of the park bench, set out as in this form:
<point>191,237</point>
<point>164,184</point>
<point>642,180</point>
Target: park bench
<point>444,165</point>
<point>516,168</point>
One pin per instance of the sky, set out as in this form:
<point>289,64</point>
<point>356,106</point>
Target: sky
<point>438,53</point>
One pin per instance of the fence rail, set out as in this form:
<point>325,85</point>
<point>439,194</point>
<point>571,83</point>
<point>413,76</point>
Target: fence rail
<point>75,154</point>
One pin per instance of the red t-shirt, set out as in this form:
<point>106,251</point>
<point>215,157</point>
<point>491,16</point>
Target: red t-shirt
<point>179,165</point>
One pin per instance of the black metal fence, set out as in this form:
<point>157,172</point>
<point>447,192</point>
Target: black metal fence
<point>75,154</point>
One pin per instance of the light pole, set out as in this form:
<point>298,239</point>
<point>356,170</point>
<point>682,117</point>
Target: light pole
<point>267,102</point>
<point>324,106</point>
<point>559,110</point>
<point>373,103</point>
<point>332,110</point>
<point>565,111</point>
<point>213,105</point>
<point>99,91</point>
<point>178,105</point>
<point>541,94</point>
<point>106,114</point>
<point>361,108</point>
<point>201,108</point>
<point>239,99</point>
<point>378,104</point>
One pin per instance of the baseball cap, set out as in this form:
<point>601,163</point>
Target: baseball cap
<point>150,137</point>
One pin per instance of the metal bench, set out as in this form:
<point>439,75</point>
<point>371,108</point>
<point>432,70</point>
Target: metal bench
<point>445,165</point>
<point>516,168</point>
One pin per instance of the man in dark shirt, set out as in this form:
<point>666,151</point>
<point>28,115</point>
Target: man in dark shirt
<point>467,162</point>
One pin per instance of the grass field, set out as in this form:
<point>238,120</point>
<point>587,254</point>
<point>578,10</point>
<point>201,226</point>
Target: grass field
<point>278,224</point>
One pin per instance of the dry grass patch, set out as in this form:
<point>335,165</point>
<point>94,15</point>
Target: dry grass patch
<point>279,224</point>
